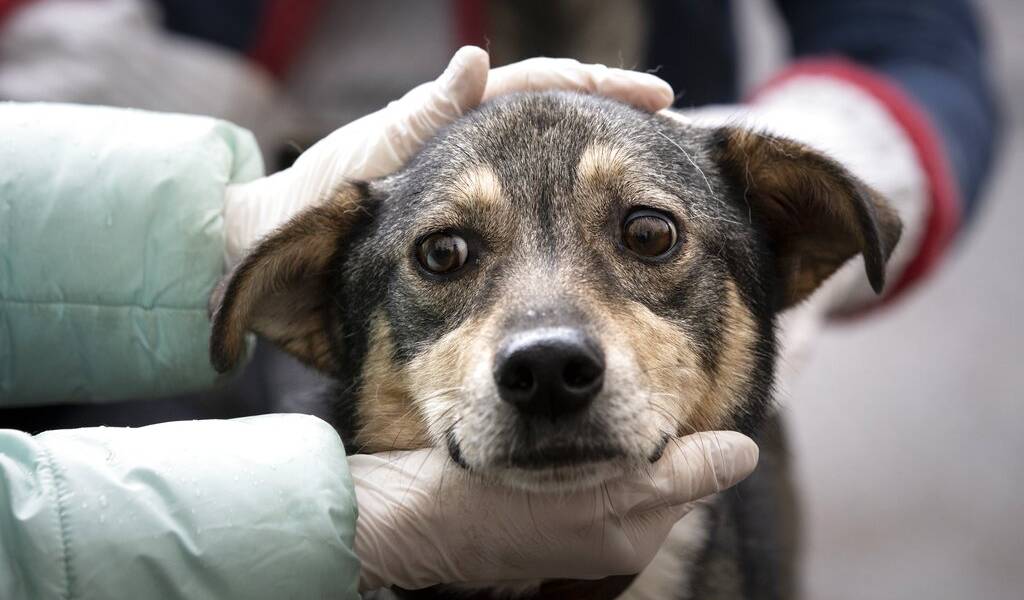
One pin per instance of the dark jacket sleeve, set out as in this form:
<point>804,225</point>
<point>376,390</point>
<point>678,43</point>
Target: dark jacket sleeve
<point>932,49</point>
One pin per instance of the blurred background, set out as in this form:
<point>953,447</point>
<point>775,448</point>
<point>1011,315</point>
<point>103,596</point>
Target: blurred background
<point>905,423</point>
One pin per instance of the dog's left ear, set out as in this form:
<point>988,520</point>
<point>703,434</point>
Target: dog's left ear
<point>280,289</point>
<point>817,215</point>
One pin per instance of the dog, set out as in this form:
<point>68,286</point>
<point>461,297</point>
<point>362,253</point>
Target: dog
<point>555,288</point>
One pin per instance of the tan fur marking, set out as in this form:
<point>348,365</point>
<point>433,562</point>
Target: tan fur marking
<point>413,407</point>
<point>683,391</point>
<point>439,375</point>
<point>390,420</point>
<point>730,384</point>
<point>600,164</point>
<point>666,362</point>
<point>478,186</point>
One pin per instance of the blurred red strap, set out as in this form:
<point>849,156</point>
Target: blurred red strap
<point>7,8</point>
<point>470,23</point>
<point>284,29</point>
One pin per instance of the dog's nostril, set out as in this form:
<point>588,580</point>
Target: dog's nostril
<point>518,377</point>
<point>581,372</point>
<point>550,372</point>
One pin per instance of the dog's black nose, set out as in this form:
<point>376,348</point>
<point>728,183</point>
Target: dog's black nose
<point>551,371</point>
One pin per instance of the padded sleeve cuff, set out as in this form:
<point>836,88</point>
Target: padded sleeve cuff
<point>261,507</point>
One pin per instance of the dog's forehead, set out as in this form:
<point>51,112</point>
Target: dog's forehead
<point>553,159</point>
<point>522,143</point>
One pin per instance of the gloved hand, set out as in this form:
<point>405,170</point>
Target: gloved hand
<point>382,142</point>
<point>423,521</point>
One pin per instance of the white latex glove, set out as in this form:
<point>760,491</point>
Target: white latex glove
<point>423,521</point>
<point>382,142</point>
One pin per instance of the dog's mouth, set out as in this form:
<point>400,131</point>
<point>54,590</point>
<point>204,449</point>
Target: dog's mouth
<point>559,463</point>
<point>560,456</point>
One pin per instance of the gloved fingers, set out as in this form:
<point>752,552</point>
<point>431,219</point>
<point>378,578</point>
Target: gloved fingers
<point>394,539</point>
<point>382,142</point>
<point>418,504</point>
<point>417,116</point>
<point>716,115</point>
<point>373,146</point>
<point>691,468</point>
<point>458,89</point>
<point>675,115</point>
<point>642,90</point>
<point>400,467</point>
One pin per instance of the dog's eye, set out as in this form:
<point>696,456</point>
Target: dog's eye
<point>442,253</point>
<point>649,233</point>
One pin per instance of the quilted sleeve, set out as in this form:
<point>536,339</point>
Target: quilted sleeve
<point>253,508</point>
<point>110,242</point>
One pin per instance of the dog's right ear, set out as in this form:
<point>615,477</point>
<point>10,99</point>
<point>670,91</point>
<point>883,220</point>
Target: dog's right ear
<point>280,289</point>
<point>816,214</point>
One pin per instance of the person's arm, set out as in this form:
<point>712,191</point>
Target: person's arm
<point>253,508</point>
<point>898,92</point>
<point>111,234</point>
<point>907,86</point>
<point>932,50</point>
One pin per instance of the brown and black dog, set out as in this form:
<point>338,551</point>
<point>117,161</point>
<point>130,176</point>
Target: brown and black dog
<point>556,287</point>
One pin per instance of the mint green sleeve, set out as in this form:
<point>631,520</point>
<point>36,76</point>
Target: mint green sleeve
<point>110,242</point>
<point>254,508</point>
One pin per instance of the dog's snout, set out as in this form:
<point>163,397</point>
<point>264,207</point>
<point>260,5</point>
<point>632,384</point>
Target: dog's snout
<point>552,371</point>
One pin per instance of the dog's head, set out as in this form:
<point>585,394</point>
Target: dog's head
<point>556,285</point>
